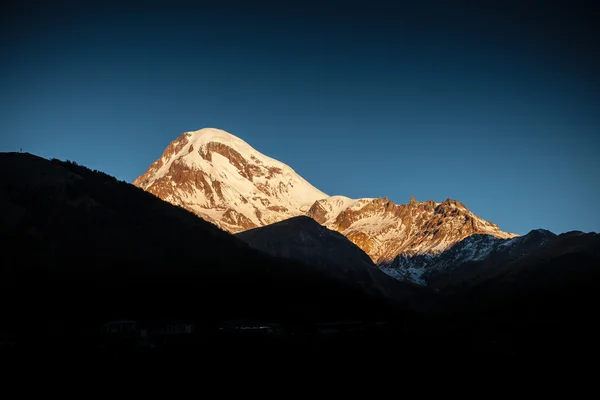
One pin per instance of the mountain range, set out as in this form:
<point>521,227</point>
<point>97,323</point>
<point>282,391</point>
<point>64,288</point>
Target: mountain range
<point>83,247</point>
<point>222,179</point>
<point>479,258</point>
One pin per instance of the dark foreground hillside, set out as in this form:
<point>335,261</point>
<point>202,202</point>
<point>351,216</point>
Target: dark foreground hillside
<point>95,268</point>
<point>82,248</point>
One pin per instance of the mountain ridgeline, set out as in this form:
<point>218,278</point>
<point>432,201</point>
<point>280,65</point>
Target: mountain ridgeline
<point>481,258</point>
<point>222,179</point>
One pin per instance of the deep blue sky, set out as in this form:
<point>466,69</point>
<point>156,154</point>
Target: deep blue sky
<point>496,106</point>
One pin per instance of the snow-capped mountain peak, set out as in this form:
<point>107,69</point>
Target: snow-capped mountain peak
<point>223,179</point>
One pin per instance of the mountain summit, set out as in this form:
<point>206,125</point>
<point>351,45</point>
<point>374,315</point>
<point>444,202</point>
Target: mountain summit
<point>222,179</point>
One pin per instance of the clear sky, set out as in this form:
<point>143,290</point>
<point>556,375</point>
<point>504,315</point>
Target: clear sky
<point>496,106</point>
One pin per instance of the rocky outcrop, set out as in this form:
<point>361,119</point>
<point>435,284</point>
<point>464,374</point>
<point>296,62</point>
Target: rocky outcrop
<point>384,229</point>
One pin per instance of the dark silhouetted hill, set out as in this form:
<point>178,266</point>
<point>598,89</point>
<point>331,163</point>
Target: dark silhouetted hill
<point>83,247</point>
<point>305,240</point>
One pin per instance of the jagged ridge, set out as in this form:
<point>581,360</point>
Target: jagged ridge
<point>384,229</point>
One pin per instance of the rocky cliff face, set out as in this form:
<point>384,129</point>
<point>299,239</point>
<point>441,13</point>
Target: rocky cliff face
<point>224,180</point>
<point>384,229</point>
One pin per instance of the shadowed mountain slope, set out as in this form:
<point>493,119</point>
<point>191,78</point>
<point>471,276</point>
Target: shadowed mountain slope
<point>82,246</point>
<point>303,239</point>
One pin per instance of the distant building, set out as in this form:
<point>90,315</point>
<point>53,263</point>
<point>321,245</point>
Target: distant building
<point>147,333</point>
<point>168,328</point>
<point>120,327</point>
<point>250,327</point>
<point>341,327</point>
<point>7,339</point>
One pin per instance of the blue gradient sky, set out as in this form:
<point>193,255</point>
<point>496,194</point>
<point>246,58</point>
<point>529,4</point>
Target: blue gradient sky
<point>495,107</point>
